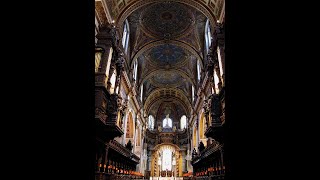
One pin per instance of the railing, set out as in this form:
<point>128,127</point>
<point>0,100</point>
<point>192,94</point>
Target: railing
<point>122,150</point>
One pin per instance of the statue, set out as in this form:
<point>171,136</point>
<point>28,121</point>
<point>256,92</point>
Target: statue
<point>129,145</point>
<point>168,122</point>
<point>210,57</point>
<point>201,146</point>
<point>120,61</point>
<point>114,35</point>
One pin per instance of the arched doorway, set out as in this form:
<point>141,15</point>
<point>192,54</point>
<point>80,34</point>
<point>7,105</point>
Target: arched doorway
<point>166,161</point>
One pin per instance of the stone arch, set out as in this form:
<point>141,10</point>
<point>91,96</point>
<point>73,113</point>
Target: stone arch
<point>131,7</point>
<point>157,71</point>
<point>165,93</point>
<point>160,42</point>
<point>155,154</point>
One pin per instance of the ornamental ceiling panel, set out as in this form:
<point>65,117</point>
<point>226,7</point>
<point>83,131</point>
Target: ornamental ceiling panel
<point>148,87</point>
<point>167,39</point>
<point>100,12</point>
<point>167,79</point>
<point>167,55</point>
<point>166,94</point>
<point>141,40</point>
<point>167,20</point>
<point>192,40</point>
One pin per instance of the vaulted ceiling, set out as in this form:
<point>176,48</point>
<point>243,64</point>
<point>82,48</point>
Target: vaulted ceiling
<point>166,39</point>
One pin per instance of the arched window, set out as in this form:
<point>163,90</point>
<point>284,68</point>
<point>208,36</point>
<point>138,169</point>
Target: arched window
<point>208,35</point>
<point>219,60</point>
<point>135,69</point>
<point>141,93</point>
<point>125,36</point>
<point>192,93</point>
<point>198,69</point>
<point>167,122</point>
<point>183,122</point>
<point>216,81</point>
<point>151,122</point>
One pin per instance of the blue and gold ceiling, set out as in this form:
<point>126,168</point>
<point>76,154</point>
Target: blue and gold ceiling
<point>167,54</point>
<point>168,79</point>
<point>167,20</point>
<point>166,42</point>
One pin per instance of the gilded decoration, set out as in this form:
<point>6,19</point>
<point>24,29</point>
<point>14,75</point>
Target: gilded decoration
<point>167,20</point>
<point>203,8</point>
<point>168,79</point>
<point>167,55</point>
<point>167,94</point>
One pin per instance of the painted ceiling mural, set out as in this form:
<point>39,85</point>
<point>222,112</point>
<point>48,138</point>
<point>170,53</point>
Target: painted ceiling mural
<point>177,22</point>
<point>165,39</point>
<point>167,20</point>
<point>164,64</point>
<point>168,79</point>
<point>167,54</point>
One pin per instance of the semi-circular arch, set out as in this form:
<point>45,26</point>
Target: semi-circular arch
<point>200,6</point>
<point>161,94</point>
<point>157,71</point>
<point>161,42</point>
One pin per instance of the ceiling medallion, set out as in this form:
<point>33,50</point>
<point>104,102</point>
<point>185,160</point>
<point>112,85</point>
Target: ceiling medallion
<point>167,20</point>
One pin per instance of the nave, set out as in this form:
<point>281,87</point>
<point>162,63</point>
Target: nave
<point>159,89</point>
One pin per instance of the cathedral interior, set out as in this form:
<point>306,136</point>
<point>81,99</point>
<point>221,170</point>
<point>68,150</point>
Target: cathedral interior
<point>159,89</point>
